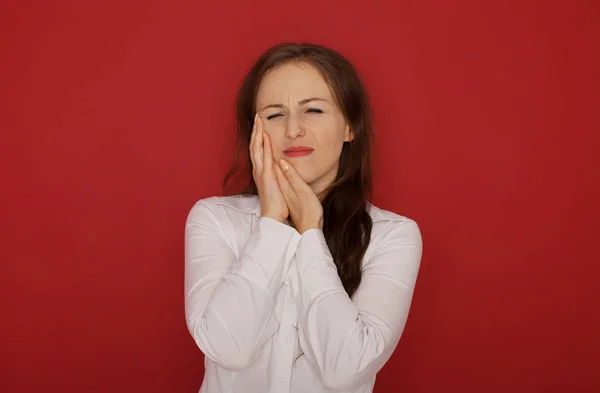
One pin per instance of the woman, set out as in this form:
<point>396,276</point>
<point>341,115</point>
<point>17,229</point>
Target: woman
<point>298,284</point>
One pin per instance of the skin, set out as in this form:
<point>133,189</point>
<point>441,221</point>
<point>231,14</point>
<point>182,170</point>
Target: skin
<point>295,107</point>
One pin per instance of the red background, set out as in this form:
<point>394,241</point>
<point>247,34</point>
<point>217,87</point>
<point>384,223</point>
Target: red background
<point>116,117</point>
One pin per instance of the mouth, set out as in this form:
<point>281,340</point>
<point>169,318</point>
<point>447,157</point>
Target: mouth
<point>298,151</point>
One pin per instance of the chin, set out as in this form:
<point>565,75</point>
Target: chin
<point>306,176</point>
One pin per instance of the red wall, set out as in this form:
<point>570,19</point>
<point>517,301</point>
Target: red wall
<point>116,118</point>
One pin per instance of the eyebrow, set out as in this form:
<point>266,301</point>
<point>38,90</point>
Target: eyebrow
<point>301,102</point>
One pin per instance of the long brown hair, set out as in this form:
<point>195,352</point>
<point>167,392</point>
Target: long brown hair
<point>346,220</point>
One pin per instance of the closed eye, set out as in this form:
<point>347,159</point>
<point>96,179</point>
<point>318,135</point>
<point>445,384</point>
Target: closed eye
<point>273,116</point>
<point>315,110</point>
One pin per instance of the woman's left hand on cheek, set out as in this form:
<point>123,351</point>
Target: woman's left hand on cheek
<point>305,207</point>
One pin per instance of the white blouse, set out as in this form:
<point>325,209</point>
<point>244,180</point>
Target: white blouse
<point>267,308</point>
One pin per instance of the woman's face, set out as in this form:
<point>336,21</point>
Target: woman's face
<point>306,127</point>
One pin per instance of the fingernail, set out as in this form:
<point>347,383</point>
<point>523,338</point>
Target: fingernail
<point>284,165</point>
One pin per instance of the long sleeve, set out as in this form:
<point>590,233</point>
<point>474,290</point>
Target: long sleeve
<point>229,301</point>
<point>349,340</point>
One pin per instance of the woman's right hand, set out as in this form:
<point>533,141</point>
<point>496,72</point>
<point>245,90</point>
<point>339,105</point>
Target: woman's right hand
<point>272,204</point>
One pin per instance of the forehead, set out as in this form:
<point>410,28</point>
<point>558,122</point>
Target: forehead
<point>293,81</point>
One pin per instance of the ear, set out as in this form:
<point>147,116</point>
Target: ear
<point>348,136</point>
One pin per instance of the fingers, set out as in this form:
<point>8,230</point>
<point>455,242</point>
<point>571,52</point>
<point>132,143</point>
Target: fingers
<point>292,177</point>
<point>286,188</point>
<point>252,141</point>
<point>253,135</point>
<point>267,151</point>
<point>257,144</point>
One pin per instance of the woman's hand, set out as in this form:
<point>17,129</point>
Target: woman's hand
<point>272,203</point>
<point>305,207</point>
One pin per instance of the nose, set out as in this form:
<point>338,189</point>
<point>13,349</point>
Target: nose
<point>294,128</point>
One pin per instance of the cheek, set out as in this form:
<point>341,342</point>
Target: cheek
<point>275,128</point>
<point>334,150</point>
<point>277,143</point>
<point>331,140</point>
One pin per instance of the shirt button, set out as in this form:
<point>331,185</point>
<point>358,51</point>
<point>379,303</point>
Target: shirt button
<point>286,340</point>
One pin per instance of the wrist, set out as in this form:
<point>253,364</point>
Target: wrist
<point>275,217</point>
<point>307,226</point>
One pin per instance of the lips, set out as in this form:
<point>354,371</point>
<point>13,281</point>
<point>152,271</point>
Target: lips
<point>298,151</point>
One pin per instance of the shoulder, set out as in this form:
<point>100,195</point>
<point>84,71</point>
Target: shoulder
<point>390,228</point>
<point>218,207</point>
<point>388,218</point>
